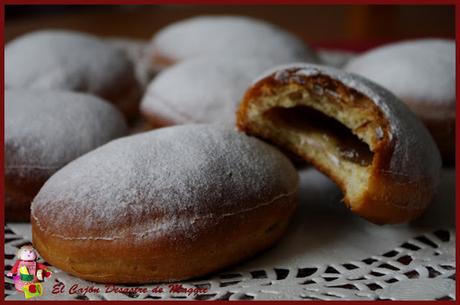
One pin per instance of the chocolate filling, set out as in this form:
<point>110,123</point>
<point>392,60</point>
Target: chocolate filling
<point>334,135</point>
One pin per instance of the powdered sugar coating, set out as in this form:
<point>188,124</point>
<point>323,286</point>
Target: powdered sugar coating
<point>409,134</point>
<point>65,60</point>
<point>44,130</point>
<point>422,71</point>
<point>168,181</point>
<point>204,89</point>
<point>228,35</point>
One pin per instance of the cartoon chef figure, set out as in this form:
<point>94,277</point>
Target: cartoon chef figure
<point>26,270</point>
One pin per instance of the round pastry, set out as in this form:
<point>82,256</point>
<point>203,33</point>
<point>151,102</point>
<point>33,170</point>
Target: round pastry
<point>225,36</point>
<point>71,61</point>
<point>422,74</point>
<point>44,130</point>
<point>165,205</point>
<point>200,90</point>
<point>356,132</point>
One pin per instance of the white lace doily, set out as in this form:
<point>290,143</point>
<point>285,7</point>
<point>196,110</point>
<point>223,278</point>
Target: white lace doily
<point>327,254</point>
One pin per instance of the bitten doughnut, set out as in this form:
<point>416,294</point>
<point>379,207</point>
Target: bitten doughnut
<point>72,61</point>
<point>356,132</point>
<point>200,90</point>
<point>169,204</point>
<point>44,130</point>
<point>422,74</point>
<point>225,36</point>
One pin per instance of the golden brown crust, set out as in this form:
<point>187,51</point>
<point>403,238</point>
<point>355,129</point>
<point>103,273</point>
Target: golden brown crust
<point>390,197</point>
<point>168,257</point>
<point>160,61</point>
<point>154,120</point>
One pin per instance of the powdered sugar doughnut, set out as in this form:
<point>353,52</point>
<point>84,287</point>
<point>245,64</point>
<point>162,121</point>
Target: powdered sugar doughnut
<point>73,61</point>
<point>225,36</point>
<point>44,130</point>
<point>200,90</point>
<point>353,130</point>
<point>421,73</point>
<point>165,205</point>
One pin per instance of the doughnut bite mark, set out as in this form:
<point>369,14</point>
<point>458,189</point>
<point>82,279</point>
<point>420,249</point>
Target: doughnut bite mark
<point>45,130</point>
<point>165,205</point>
<point>356,132</point>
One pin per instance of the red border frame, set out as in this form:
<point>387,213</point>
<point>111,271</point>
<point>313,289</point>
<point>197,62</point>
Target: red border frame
<point>240,2</point>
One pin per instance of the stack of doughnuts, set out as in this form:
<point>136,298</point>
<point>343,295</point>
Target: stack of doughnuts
<point>211,60</point>
<point>112,201</point>
<point>72,61</point>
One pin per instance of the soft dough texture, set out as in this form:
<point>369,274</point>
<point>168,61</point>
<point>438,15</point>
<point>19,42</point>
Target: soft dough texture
<point>353,130</point>
<point>422,74</point>
<point>65,60</point>
<point>225,36</point>
<point>44,130</point>
<point>201,90</point>
<point>165,205</point>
